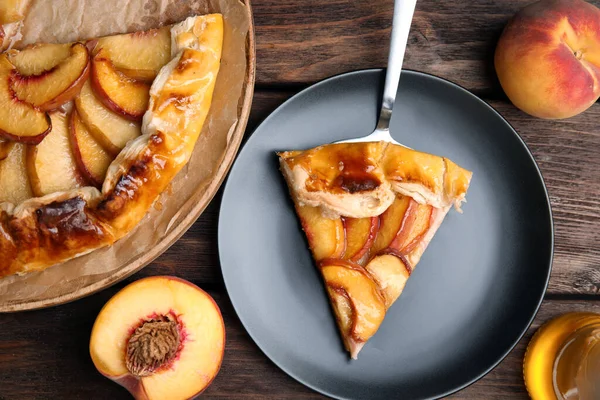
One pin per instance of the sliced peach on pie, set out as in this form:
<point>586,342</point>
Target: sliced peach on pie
<point>5,147</point>
<point>416,223</point>
<point>51,164</point>
<point>110,130</point>
<point>365,301</point>
<point>39,58</point>
<point>390,223</point>
<point>121,94</point>
<point>19,121</point>
<point>139,55</point>
<point>390,271</point>
<point>13,176</point>
<point>325,236</point>
<point>390,200</point>
<point>360,235</point>
<point>159,337</point>
<point>92,160</point>
<point>51,89</point>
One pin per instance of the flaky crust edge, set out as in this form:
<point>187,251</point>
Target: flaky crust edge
<point>42,232</point>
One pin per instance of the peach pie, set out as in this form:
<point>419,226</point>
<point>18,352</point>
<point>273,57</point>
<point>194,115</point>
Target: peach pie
<point>92,132</point>
<point>369,210</point>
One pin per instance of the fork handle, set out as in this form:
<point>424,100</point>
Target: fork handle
<point>403,15</point>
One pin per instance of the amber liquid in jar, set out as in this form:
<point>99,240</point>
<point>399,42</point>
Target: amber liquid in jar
<point>576,372</point>
<point>563,359</point>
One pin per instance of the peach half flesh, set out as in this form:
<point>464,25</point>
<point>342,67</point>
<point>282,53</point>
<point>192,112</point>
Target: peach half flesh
<point>160,338</point>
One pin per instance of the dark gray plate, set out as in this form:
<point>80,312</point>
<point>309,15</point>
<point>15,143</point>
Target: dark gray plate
<point>477,287</point>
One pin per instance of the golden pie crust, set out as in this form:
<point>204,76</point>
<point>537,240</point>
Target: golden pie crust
<point>41,232</point>
<point>369,210</point>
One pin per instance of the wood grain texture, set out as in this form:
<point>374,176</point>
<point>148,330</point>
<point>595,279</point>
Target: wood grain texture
<point>305,41</point>
<point>44,354</point>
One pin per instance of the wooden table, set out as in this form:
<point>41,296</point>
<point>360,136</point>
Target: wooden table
<point>44,354</point>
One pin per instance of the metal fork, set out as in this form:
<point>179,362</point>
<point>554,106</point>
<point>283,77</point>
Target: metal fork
<point>402,19</point>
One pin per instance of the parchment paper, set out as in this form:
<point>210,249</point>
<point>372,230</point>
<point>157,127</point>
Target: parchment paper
<point>61,21</point>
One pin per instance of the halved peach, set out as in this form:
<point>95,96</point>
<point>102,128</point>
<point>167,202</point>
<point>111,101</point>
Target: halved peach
<point>19,121</point>
<point>39,58</point>
<point>139,55</point>
<point>92,160</point>
<point>109,129</point>
<point>53,88</point>
<point>51,164</point>
<point>159,337</point>
<point>416,223</point>
<point>360,235</point>
<point>325,236</point>
<point>391,273</point>
<point>390,223</point>
<point>367,303</point>
<point>5,147</point>
<point>14,182</point>
<point>121,94</point>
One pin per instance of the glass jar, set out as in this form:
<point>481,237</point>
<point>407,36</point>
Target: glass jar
<point>563,359</point>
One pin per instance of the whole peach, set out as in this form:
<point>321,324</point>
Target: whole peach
<point>548,58</point>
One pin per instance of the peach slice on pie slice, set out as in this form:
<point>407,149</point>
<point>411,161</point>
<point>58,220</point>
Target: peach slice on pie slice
<point>390,271</point>
<point>121,94</point>
<point>325,236</point>
<point>364,300</point>
<point>110,130</point>
<point>415,224</point>
<point>5,147</point>
<point>92,160</point>
<point>19,121</point>
<point>390,223</point>
<point>159,337</point>
<point>51,164</point>
<point>51,89</point>
<point>39,58</point>
<point>14,182</point>
<point>139,55</point>
<point>360,236</point>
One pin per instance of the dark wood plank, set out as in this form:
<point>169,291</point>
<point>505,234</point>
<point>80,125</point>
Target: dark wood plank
<point>302,41</point>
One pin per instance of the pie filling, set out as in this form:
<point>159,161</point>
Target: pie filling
<point>100,127</point>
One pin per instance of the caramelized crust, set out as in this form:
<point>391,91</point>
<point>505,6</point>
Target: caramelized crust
<point>343,178</point>
<point>45,231</point>
<point>363,181</point>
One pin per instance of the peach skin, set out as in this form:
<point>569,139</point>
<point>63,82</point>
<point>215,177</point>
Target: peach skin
<point>548,58</point>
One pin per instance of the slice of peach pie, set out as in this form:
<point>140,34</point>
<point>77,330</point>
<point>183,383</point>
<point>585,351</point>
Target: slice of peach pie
<point>91,133</point>
<point>369,210</point>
